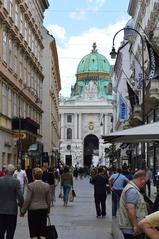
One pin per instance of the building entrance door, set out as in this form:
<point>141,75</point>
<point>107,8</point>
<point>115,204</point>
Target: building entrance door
<point>91,147</point>
<point>68,160</point>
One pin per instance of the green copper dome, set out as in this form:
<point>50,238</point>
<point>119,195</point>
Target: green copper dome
<point>94,63</point>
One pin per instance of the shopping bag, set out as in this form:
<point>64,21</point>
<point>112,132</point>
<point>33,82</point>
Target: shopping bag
<point>51,230</point>
<point>71,197</point>
<point>60,194</point>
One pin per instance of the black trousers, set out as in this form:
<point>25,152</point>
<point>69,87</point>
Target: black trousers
<point>128,236</point>
<point>7,225</point>
<point>100,203</point>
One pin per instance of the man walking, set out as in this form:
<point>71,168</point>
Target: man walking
<point>132,207</point>
<point>21,176</point>
<point>10,192</point>
<point>117,181</point>
<point>100,182</point>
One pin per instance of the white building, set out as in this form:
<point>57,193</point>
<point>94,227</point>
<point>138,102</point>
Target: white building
<point>87,114</point>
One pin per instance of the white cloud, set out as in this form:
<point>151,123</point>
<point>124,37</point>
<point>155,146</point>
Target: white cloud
<point>78,15</point>
<point>93,6</point>
<point>77,47</point>
<point>57,31</point>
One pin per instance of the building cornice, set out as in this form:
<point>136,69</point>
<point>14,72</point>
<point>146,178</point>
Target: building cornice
<point>56,62</point>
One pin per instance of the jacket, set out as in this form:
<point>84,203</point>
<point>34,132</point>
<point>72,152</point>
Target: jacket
<point>66,178</point>
<point>11,192</point>
<point>99,182</point>
<point>38,196</point>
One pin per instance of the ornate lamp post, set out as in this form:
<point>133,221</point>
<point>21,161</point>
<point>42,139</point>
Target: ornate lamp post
<point>19,120</point>
<point>113,55</point>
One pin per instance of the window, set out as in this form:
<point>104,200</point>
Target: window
<point>16,14</point>
<point>36,48</point>
<point>10,7</point>
<point>69,118</point>
<point>4,46</point>
<point>25,71</point>
<point>32,77</point>
<point>29,38</point>
<point>24,107</point>
<point>6,4</point>
<point>15,59</point>
<point>32,44</point>
<point>25,30</point>
<point>15,105</point>
<point>21,66</point>
<point>28,84</point>
<point>69,133</point>
<point>21,23</point>
<point>9,103</point>
<point>10,53</point>
<point>4,99</point>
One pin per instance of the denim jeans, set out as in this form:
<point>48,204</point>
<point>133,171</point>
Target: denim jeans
<point>115,201</point>
<point>66,190</point>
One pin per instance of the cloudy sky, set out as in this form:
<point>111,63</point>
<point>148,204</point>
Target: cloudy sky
<point>76,24</point>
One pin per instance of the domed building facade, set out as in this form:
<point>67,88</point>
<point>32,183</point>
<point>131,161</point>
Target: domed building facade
<point>87,114</point>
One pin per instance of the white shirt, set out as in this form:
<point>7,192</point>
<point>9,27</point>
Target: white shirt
<point>20,175</point>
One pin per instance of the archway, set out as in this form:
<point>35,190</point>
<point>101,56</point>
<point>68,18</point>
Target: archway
<point>91,146</point>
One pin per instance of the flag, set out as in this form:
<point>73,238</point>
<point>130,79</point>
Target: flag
<point>138,76</point>
<point>123,110</point>
<point>153,62</point>
<point>133,97</point>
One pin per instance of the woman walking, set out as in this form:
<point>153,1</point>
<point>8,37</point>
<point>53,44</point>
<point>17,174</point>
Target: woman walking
<point>37,203</point>
<point>66,184</point>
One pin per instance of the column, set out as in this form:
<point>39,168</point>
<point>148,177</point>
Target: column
<point>75,128</point>
<point>106,124</point>
<point>62,126</point>
<point>80,116</point>
<point>101,123</point>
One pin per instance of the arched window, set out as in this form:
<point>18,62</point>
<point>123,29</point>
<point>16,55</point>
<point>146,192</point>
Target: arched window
<point>69,133</point>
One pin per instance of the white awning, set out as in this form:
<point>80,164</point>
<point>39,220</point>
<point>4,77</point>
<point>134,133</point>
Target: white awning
<point>143,133</point>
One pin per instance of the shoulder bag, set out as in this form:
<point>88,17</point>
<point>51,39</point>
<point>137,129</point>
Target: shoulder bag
<point>51,230</point>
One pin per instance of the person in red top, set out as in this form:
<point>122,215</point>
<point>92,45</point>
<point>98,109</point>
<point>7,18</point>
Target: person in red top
<point>2,172</point>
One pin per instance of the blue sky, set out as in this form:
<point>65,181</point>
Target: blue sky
<point>76,24</point>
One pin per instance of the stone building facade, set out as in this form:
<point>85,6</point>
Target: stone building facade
<point>145,20</point>
<point>86,115</point>
<point>21,76</point>
<point>50,103</point>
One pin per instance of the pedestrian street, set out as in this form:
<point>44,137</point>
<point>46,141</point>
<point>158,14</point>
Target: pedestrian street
<point>77,220</point>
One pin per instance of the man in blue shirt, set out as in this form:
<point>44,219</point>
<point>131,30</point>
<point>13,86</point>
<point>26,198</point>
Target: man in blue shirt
<point>117,182</point>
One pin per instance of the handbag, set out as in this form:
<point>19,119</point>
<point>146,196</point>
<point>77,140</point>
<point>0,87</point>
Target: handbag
<point>71,197</point>
<point>51,230</point>
<point>73,193</point>
<point>60,194</point>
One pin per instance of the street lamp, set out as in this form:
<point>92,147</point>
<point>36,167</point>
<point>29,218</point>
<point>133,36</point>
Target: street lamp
<point>19,120</point>
<point>113,55</point>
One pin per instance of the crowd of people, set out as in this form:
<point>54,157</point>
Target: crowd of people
<point>33,191</point>
<point>138,216</point>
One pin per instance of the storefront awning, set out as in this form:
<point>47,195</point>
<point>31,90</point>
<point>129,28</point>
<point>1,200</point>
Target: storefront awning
<point>143,133</point>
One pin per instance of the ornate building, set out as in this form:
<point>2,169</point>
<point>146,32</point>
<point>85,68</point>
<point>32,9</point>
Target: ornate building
<point>87,114</point>
<point>21,76</point>
<point>136,79</point>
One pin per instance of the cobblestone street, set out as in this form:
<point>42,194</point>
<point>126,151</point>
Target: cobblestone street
<point>78,220</point>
